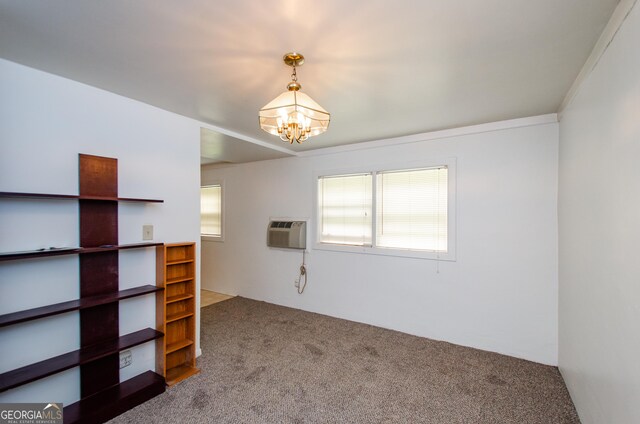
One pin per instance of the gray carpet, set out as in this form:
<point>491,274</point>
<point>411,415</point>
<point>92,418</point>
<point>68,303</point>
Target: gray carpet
<point>263,363</point>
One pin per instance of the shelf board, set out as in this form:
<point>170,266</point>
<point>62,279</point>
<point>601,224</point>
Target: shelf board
<point>29,254</point>
<point>179,373</point>
<point>74,305</point>
<point>178,345</point>
<point>33,372</point>
<point>108,248</point>
<point>179,261</point>
<point>115,400</point>
<point>178,298</point>
<point>178,316</point>
<point>15,195</point>
<point>179,280</point>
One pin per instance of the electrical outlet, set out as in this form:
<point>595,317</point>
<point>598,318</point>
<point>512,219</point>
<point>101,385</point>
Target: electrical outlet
<point>147,232</point>
<point>125,358</point>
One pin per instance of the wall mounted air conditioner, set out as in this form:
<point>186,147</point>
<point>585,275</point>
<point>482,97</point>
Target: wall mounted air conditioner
<point>287,234</point>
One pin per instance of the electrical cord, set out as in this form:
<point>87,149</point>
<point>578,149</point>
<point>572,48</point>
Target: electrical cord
<point>303,273</point>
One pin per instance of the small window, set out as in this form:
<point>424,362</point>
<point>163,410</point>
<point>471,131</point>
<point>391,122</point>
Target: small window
<point>345,209</point>
<point>412,209</point>
<point>211,210</point>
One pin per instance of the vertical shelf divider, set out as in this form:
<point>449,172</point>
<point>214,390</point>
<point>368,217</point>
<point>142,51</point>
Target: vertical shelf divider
<point>98,176</point>
<point>99,276</point>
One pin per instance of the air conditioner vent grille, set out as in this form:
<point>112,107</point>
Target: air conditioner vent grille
<point>281,224</point>
<point>287,234</point>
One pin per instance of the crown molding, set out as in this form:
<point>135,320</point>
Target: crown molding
<point>245,138</point>
<point>435,135</point>
<point>618,17</point>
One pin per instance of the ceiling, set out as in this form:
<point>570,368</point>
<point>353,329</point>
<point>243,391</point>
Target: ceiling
<point>383,69</point>
<point>218,148</point>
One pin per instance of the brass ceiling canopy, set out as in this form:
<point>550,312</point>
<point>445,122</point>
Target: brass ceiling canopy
<point>294,116</point>
<point>293,59</point>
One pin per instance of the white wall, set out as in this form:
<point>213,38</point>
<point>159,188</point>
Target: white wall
<point>599,216</point>
<point>45,121</point>
<point>499,295</point>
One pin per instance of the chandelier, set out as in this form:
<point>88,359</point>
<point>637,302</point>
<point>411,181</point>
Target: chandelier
<point>294,116</point>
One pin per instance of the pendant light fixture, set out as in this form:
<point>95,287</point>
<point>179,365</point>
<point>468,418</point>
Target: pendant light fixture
<point>294,116</point>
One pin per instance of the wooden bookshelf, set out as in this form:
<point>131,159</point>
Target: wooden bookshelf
<point>175,271</point>
<point>178,298</point>
<point>102,395</point>
<point>57,251</point>
<point>75,305</point>
<point>82,356</point>
<point>16,195</point>
<point>115,400</point>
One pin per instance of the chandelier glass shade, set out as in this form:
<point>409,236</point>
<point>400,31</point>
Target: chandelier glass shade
<point>293,115</point>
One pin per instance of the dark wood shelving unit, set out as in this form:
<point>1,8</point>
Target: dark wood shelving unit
<point>99,249</point>
<point>40,253</point>
<point>33,372</point>
<point>28,254</point>
<point>102,394</point>
<point>16,195</point>
<point>75,305</point>
<point>116,399</point>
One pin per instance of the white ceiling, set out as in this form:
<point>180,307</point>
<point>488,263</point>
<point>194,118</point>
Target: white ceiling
<point>383,69</point>
<point>218,148</point>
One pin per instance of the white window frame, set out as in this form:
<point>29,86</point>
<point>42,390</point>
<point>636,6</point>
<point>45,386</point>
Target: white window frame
<point>449,255</point>
<point>210,237</point>
<point>319,218</point>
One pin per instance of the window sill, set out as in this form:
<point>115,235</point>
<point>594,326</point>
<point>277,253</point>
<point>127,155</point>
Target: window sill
<point>381,251</point>
<point>212,238</point>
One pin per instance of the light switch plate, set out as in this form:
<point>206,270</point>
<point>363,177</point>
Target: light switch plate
<point>147,232</point>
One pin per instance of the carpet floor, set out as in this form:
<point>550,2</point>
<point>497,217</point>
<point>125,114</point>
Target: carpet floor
<point>263,363</point>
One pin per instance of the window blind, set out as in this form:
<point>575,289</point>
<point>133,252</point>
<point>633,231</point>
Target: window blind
<point>211,210</point>
<point>411,209</point>
<point>345,209</point>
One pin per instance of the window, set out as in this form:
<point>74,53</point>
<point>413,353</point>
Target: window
<point>345,215</point>
<point>412,209</point>
<point>406,212</point>
<point>211,211</point>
